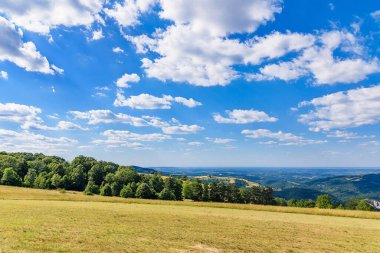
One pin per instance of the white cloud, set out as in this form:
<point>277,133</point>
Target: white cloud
<point>43,15</point>
<point>191,103</point>
<point>376,15</point>
<point>147,101</point>
<point>18,113</point>
<point>61,126</point>
<point>58,70</point>
<point>319,62</point>
<point>144,101</point>
<point>281,138</point>
<point>97,35</point>
<point>120,136</point>
<point>4,75</point>
<point>220,140</point>
<point>117,50</point>
<point>173,126</point>
<point>94,117</point>
<point>117,138</point>
<point>221,17</point>
<point>29,142</point>
<point>345,109</point>
<point>24,55</point>
<point>243,117</point>
<point>195,143</point>
<point>196,48</point>
<point>346,135</point>
<point>181,129</point>
<point>123,81</point>
<point>127,12</point>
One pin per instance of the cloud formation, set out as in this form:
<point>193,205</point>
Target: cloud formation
<point>243,117</point>
<point>345,109</point>
<point>23,54</point>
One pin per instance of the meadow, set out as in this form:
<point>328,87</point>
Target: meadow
<point>34,220</point>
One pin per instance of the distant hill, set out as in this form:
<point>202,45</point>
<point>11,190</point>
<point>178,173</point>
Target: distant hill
<point>143,170</point>
<point>297,193</point>
<point>345,187</point>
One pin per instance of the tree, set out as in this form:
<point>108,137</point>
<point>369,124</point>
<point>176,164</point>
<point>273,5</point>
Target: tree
<point>10,177</point>
<point>175,186</point>
<point>143,191</point>
<point>364,206</point>
<point>166,194</point>
<point>41,181</point>
<point>96,174</point>
<point>78,178</point>
<point>91,188</point>
<point>30,178</point>
<point>56,181</point>
<point>127,192</point>
<point>324,202</point>
<point>106,190</point>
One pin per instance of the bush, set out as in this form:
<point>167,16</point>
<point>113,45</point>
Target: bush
<point>10,177</point>
<point>106,190</point>
<point>324,202</point>
<point>91,188</point>
<point>143,191</point>
<point>166,194</point>
<point>126,192</point>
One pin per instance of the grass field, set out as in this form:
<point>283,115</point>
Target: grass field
<point>37,220</point>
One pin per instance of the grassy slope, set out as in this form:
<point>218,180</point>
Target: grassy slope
<point>36,220</point>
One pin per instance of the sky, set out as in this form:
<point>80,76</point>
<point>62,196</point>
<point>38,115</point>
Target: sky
<point>247,83</point>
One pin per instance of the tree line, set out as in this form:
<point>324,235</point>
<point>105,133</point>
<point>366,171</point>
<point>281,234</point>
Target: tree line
<point>110,179</point>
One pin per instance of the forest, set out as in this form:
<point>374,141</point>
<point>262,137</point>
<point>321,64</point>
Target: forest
<point>110,179</point>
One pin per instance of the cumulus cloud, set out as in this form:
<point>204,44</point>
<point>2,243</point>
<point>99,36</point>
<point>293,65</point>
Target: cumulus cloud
<point>29,142</point>
<point>376,15</point>
<point>196,48</point>
<point>147,101</point>
<point>94,117</point>
<point>127,12</point>
<point>118,138</point>
<point>319,62</point>
<point>23,54</point>
<point>97,35</point>
<point>43,15</point>
<point>117,50</point>
<point>281,138</point>
<point>339,134</point>
<point>4,75</point>
<point>221,18</point>
<point>345,109</point>
<point>29,118</point>
<point>220,140</point>
<point>173,126</point>
<point>244,117</point>
<point>123,82</point>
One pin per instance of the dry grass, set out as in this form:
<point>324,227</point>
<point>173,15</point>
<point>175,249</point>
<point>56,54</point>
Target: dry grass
<point>37,220</point>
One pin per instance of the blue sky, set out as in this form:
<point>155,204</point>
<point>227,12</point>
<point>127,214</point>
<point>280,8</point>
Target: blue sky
<point>192,83</point>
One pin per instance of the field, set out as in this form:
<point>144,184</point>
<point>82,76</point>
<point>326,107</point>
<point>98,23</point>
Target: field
<point>52,221</point>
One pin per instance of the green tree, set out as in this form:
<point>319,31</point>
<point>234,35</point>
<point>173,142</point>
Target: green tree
<point>56,181</point>
<point>96,174</point>
<point>364,206</point>
<point>143,191</point>
<point>175,185</point>
<point>106,190</point>
<point>166,194</point>
<point>91,188</point>
<point>324,202</point>
<point>78,178</point>
<point>127,192</point>
<point>10,177</point>
<point>30,178</point>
